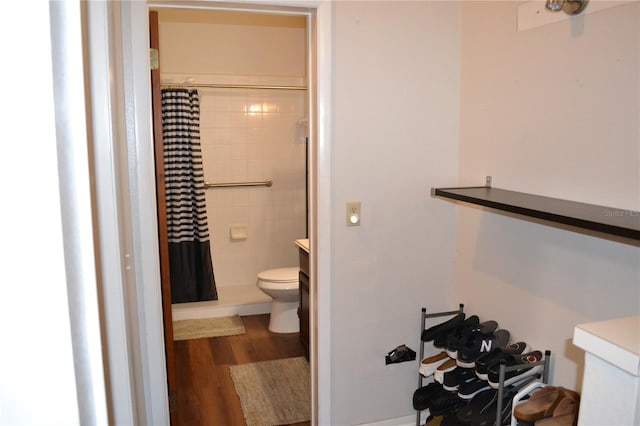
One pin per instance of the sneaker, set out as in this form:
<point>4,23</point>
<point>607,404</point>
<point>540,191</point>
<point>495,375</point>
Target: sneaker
<point>456,378</point>
<point>496,355</point>
<point>447,366</point>
<point>516,375</point>
<point>428,365</point>
<point>479,345</point>
<point>472,387</point>
<point>430,333</point>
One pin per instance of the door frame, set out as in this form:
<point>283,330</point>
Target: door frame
<point>148,375</point>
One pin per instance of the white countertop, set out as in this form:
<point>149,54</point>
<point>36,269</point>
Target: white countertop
<point>616,341</point>
<point>303,244</point>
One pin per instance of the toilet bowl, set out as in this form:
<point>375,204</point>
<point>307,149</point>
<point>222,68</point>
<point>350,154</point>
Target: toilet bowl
<point>282,285</point>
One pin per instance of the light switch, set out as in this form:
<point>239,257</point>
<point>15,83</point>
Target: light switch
<point>353,213</point>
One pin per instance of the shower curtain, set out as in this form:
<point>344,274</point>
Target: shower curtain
<point>190,262</point>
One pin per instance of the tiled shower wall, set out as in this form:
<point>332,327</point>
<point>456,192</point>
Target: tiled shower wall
<point>253,135</point>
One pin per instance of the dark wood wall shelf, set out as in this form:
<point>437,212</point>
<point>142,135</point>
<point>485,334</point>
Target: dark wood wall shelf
<point>608,220</point>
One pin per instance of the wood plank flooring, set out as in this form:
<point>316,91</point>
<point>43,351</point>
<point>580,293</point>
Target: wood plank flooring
<point>206,395</point>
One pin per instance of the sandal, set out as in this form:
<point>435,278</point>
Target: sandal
<point>540,405</point>
<point>565,413</point>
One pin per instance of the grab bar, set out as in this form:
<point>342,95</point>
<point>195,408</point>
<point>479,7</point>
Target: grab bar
<point>266,183</point>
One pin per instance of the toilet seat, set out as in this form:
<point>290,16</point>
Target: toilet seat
<point>280,275</point>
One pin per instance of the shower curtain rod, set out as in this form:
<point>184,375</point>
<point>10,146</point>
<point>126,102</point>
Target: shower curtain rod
<point>227,86</point>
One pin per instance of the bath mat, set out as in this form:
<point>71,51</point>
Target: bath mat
<point>274,392</point>
<point>207,327</point>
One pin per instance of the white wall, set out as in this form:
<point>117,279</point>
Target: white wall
<point>240,146</point>
<point>38,383</point>
<point>395,136</point>
<point>246,134</point>
<point>231,43</point>
<point>553,111</point>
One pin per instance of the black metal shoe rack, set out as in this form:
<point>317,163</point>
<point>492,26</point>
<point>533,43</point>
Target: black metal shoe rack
<point>503,367</point>
<point>423,319</point>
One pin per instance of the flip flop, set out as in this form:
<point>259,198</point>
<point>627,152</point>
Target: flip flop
<point>539,405</point>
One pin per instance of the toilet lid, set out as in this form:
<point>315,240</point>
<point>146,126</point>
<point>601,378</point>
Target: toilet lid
<point>280,275</point>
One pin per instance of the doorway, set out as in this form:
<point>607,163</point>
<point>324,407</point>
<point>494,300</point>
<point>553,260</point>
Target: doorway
<point>118,37</point>
<point>251,73</point>
<point>319,15</point>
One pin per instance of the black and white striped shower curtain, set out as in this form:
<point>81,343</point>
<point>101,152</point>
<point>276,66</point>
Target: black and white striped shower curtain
<point>190,262</point>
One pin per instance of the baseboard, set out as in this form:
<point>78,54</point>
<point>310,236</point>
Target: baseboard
<point>400,421</point>
<point>241,300</point>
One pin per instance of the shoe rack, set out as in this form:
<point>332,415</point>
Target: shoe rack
<point>503,369</point>
<point>423,321</point>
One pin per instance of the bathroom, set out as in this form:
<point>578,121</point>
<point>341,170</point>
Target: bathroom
<point>250,71</point>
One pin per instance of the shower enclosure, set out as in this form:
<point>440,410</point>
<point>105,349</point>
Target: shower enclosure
<point>250,72</point>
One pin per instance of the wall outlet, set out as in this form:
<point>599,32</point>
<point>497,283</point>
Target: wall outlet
<point>353,213</point>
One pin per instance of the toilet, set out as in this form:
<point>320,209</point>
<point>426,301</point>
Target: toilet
<point>282,285</point>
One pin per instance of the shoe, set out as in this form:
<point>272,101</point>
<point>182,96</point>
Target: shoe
<point>471,388</point>
<point>496,355</point>
<point>539,405</point>
<point>423,395</point>
<point>510,377</point>
<point>464,335</point>
<point>430,333</point>
<point>476,406</point>
<point>487,416</point>
<point>449,341</point>
<point>428,365</point>
<point>444,403</point>
<point>401,353</point>
<point>434,421</point>
<point>449,420</point>
<point>565,413</point>
<point>447,366</point>
<point>455,378</point>
<point>479,345</point>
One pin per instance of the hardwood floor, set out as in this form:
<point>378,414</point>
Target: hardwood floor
<point>206,395</point>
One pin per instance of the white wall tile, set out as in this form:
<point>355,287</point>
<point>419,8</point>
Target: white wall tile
<point>239,152</point>
<point>254,146</point>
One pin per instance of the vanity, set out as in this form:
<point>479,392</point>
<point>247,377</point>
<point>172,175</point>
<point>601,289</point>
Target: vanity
<point>303,310</point>
<point>611,378</point>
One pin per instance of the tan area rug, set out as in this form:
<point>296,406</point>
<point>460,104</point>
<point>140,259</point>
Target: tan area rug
<point>207,327</point>
<point>274,392</point>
